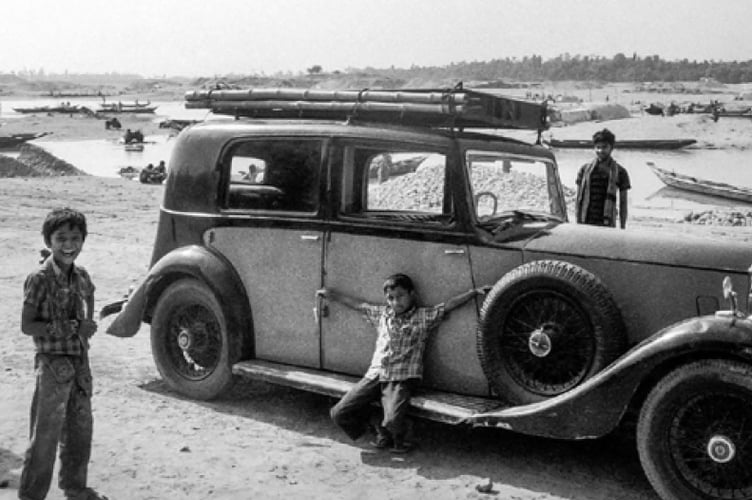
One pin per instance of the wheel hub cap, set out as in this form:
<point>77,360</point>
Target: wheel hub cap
<point>721,449</point>
<point>185,339</point>
<point>539,343</point>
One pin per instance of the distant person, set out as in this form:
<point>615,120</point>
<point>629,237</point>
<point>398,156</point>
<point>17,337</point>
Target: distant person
<point>57,313</point>
<point>146,174</point>
<point>600,184</point>
<point>397,362</point>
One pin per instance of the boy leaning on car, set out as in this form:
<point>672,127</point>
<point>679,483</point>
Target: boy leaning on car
<point>397,363</point>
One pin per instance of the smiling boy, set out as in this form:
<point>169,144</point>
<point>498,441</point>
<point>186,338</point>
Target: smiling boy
<point>57,313</point>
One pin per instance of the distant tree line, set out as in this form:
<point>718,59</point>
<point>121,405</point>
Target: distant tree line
<point>618,68</point>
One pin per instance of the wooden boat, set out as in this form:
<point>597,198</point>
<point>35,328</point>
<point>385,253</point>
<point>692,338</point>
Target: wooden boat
<point>15,140</point>
<point>49,109</point>
<point>623,144</point>
<point>701,186</point>
<point>742,113</point>
<point>127,107</point>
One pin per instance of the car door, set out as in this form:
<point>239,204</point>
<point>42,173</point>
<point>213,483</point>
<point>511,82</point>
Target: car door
<point>396,214</point>
<point>274,241</point>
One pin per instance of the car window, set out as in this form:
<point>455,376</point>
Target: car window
<point>502,183</point>
<point>274,174</point>
<point>400,184</point>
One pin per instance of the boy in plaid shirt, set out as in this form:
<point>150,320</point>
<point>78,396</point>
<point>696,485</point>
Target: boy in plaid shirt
<point>57,313</point>
<point>397,363</point>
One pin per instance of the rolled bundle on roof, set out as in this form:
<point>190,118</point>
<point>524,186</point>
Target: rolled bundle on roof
<point>430,108</point>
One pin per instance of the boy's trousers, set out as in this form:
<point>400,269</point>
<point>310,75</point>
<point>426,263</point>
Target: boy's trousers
<point>60,413</point>
<point>352,412</point>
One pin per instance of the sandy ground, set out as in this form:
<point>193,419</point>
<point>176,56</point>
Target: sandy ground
<point>260,441</point>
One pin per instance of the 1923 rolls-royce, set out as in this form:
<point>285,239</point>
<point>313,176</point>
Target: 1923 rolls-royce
<point>584,326</point>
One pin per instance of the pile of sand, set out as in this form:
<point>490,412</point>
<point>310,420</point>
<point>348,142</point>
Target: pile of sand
<point>590,112</point>
<point>34,161</point>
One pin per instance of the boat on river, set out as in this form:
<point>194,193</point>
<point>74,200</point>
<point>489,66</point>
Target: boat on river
<point>701,186</point>
<point>126,107</point>
<point>63,108</point>
<point>623,144</point>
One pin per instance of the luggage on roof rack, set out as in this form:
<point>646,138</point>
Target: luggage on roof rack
<point>453,108</point>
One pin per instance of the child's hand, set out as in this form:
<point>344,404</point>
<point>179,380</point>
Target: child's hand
<point>86,328</point>
<point>65,328</point>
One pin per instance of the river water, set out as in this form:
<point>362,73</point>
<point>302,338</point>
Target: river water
<point>106,157</point>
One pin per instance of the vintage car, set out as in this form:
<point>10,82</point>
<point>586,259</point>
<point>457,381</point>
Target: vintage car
<point>585,328</point>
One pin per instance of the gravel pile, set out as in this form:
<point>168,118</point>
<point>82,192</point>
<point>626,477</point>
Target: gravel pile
<point>719,218</point>
<point>423,189</point>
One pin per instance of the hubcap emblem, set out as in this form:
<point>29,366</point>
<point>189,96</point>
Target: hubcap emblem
<point>721,449</point>
<point>539,343</point>
<point>184,339</point>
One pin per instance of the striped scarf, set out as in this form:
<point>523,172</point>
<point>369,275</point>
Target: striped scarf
<point>583,193</point>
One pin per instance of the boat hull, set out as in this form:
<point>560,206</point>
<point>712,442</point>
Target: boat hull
<point>628,144</point>
<point>702,186</point>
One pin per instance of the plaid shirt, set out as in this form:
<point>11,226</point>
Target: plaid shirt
<point>401,340</point>
<point>57,299</point>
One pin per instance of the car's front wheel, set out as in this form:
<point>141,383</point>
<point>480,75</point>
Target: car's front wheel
<point>694,434</point>
<point>189,340</point>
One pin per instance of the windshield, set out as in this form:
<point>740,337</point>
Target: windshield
<point>504,184</point>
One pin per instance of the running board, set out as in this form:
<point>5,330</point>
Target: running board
<point>434,405</point>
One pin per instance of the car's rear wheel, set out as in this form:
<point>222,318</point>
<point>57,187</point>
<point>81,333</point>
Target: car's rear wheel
<point>546,327</point>
<point>694,433</point>
<point>189,340</point>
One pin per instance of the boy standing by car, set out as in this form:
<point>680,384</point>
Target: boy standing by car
<point>598,184</point>
<point>57,314</point>
<point>397,363</point>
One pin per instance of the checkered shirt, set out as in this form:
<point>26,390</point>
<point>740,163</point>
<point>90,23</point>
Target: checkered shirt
<point>57,299</point>
<point>401,340</point>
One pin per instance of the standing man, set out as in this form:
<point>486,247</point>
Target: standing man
<point>599,183</point>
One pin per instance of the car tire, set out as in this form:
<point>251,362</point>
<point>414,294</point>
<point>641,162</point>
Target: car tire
<point>189,340</point>
<point>693,432</point>
<point>546,327</point>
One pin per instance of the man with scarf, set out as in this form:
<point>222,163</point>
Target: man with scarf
<point>599,183</point>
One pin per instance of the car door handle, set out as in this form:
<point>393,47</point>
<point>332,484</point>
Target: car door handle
<point>455,251</point>
<point>310,237</point>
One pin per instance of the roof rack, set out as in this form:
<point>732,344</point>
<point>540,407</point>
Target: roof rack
<point>448,108</point>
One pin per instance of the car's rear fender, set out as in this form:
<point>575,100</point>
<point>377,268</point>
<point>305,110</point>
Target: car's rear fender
<point>193,262</point>
<point>596,407</point>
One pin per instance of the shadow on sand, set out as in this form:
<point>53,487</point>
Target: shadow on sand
<point>559,468</point>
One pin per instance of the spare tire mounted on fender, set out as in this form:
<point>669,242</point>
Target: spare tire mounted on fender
<point>546,327</point>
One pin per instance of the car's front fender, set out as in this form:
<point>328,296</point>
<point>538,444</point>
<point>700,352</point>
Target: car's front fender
<point>192,261</point>
<point>595,408</point>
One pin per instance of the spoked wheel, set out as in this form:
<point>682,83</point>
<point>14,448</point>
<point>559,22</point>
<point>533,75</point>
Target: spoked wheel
<point>547,346</point>
<point>546,327</point>
<point>694,435</point>
<point>189,340</point>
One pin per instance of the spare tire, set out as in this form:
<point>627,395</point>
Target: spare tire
<point>546,327</point>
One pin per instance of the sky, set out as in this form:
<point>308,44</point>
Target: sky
<point>156,38</point>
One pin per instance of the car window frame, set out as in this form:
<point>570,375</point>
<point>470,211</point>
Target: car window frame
<point>224,167</point>
<point>337,166</point>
